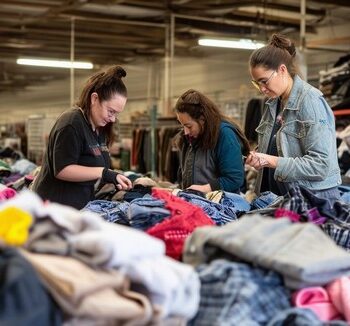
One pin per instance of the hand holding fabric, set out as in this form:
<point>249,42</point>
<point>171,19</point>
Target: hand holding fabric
<point>260,160</point>
<point>120,181</point>
<point>124,183</point>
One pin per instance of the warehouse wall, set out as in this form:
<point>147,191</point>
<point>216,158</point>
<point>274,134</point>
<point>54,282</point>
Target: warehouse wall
<point>224,77</point>
<point>220,77</point>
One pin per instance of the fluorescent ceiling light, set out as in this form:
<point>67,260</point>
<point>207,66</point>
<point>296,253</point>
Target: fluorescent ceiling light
<point>234,44</point>
<point>56,63</point>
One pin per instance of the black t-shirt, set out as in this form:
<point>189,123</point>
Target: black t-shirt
<point>71,141</point>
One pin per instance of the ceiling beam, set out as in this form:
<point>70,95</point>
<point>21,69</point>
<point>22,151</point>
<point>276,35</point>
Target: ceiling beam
<point>257,4</point>
<point>343,3</point>
<point>330,41</point>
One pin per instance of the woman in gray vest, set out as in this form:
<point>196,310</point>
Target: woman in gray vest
<point>211,146</point>
<point>296,135</point>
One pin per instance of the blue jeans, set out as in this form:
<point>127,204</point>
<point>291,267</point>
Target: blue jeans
<point>265,199</point>
<point>115,212</point>
<point>145,212</point>
<point>344,193</point>
<point>235,201</point>
<point>219,213</point>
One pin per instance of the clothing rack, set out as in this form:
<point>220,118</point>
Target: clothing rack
<point>152,125</point>
<point>38,129</point>
<point>335,84</point>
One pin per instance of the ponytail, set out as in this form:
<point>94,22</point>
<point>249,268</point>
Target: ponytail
<point>279,50</point>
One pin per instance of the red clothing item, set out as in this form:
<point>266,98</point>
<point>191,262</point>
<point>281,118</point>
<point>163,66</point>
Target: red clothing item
<point>293,216</point>
<point>185,217</point>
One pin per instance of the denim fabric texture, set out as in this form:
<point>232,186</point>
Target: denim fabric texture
<point>146,212</point>
<point>331,195</point>
<point>265,199</point>
<point>219,213</point>
<point>344,193</point>
<point>235,202</point>
<point>238,294</point>
<point>115,212</point>
<point>301,317</point>
<point>306,141</point>
<point>345,197</point>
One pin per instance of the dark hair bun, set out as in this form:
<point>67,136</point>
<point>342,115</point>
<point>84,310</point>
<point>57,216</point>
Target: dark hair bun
<point>116,71</point>
<point>282,42</point>
<point>120,72</point>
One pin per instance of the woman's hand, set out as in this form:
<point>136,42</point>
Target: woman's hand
<point>124,183</point>
<point>202,188</point>
<point>260,160</point>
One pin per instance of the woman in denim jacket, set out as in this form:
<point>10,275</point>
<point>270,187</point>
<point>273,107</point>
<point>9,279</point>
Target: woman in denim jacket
<point>296,135</point>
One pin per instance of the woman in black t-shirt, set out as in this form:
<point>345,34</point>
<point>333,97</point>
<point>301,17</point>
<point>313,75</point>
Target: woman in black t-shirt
<point>77,153</point>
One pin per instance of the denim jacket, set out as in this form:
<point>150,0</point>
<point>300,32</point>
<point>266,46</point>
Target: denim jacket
<point>306,141</point>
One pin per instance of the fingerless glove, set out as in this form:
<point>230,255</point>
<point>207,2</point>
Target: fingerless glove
<point>109,176</point>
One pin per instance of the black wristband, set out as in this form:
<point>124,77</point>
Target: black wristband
<point>109,176</point>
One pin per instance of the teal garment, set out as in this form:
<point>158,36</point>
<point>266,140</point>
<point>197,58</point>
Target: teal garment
<point>221,167</point>
<point>229,161</point>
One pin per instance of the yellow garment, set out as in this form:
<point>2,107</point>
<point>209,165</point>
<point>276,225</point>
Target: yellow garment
<point>214,196</point>
<point>14,225</point>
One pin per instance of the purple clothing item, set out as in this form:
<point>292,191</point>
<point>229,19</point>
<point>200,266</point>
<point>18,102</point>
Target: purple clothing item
<point>314,216</point>
<point>11,178</point>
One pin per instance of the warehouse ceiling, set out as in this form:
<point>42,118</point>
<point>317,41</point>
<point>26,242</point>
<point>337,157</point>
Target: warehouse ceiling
<point>109,32</point>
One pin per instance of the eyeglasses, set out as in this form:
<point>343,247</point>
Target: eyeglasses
<point>260,83</point>
<point>111,113</point>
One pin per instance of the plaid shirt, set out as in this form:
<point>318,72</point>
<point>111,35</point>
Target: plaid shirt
<point>302,317</point>
<point>238,294</point>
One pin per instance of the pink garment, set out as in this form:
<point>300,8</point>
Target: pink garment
<point>282,212</point>
<point>7,193</point>
<point>339,293</point>
<point>318,300</point>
